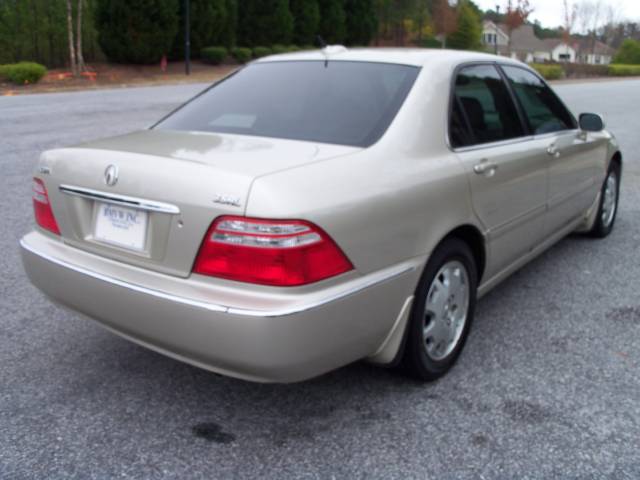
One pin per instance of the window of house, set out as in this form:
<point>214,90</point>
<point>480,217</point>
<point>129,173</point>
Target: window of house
<point>543,110</point>
<point>482,110</point>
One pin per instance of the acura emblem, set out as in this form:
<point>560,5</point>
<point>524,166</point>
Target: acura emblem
<point>111,175</point>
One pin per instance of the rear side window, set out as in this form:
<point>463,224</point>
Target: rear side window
<point>483,110</point>
<point>543,110</point>
<point>348,103</point>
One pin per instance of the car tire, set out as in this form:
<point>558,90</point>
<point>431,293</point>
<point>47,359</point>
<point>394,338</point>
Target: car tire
<point>608,207</point>
<point>442,312</point>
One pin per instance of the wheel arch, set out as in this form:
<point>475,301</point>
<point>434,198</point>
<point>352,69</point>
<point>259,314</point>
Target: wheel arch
<point>476,241</point>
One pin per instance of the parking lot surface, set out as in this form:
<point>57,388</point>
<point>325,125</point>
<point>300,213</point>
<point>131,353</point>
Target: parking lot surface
<point>547,387</point>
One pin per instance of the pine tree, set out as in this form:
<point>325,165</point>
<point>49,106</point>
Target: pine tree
<point>209,20</point>
<point>264,22</point>
<point>333,24</point>
<point>306,20</point>
<point>136,31</point>
<point>469,32</point>
<point>361,21</point>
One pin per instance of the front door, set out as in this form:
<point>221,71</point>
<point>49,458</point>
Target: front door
<point>576,159</point>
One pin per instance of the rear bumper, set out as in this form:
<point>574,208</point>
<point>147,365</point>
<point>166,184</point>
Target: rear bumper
<point>268,335</point>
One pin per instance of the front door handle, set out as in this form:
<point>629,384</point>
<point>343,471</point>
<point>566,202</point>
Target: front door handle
<point>553,150</point>
<point>486,168</point>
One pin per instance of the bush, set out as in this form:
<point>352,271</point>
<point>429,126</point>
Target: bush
<point>624,70</point>
<point>549,72</point>
<point>241,54</point>
<point>293,48</point>
<point>628,53</point>
<point>278,49</point>
<point>23,73</point>
<point>259,52</point>
<point>581,70</point>
<point>214,55</point>
<point>136,31</point>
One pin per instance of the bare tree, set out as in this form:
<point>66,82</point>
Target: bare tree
<point>516,14</point>
<point>79,56</point>
<point>72,52</point>
<point>570,13</point>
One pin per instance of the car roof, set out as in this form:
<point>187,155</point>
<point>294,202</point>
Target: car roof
<point>402,56</point>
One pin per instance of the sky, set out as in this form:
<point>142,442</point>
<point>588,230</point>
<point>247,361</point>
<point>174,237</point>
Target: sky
<point>551,12</point>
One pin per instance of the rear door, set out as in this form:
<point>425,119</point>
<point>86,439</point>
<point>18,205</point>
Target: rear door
<point>575,159</point>
<point>506,168</point>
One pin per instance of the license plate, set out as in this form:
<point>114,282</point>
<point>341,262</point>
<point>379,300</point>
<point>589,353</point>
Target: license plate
<point>122,226</point>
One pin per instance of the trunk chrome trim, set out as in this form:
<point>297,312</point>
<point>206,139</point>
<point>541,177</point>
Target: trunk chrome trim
<point>124,200</point>
<point>373,279</point>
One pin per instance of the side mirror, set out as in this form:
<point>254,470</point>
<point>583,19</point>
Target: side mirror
<point>591,122</point>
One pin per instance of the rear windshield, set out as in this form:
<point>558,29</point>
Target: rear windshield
<point>347,103</point>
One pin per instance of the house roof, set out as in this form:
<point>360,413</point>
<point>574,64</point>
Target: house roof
<point>523,39</point>
<point>587,45</point>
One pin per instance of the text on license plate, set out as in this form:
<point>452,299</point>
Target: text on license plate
<point>126,227</point>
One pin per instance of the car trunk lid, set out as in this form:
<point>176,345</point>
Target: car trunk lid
<point>169,187</point>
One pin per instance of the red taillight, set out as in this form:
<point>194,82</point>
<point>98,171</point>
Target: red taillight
<point>42,207</point>
<point>269,252</point>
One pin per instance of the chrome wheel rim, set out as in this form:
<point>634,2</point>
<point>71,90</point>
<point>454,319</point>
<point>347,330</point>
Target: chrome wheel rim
<point>609,199</point>
<point>445,313</point>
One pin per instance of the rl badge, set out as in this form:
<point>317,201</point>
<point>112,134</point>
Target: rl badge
<point>125,227</point>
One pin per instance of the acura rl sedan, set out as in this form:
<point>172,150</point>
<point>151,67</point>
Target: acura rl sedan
<point>319,208</point>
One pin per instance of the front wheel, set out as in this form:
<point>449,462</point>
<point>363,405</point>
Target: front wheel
<point>442,311</point>
<point>608,207</point>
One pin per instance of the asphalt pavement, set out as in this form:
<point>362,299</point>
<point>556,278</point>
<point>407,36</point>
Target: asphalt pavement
<point>548,385</point>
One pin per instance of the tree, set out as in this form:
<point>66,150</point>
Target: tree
<point>136,31</point>
<point>628,53</point>
<point>79,56</point>
<point>73,62</point>
<point>361,21</point>
<point>444,19</point>
<point>468,34</point>
<point>264,22</point>
<point>570,13</point>
<point>333,22</point>
<point>208,20</point>
<point>306,20</point>
<point>516,14</point>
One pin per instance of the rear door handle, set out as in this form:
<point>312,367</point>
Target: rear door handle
<point>486,168</point>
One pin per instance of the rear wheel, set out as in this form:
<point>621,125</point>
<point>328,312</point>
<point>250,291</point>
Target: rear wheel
<point>442,311</point>
<point>608,207</point>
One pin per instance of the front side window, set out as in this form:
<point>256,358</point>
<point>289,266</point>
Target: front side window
<point>543,110</point>
<point>340,102</point>
<point>482,109</point>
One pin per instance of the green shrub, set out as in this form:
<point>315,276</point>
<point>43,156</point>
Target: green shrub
<point>214,55</point>
<point>261,52</point>
<point>293,48</point>
<point>549,72</point>
<point>278,49</point>
<point>624,70</point>
<point>23,73</point>
<point>241,54</point>
<point>628,53</point>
